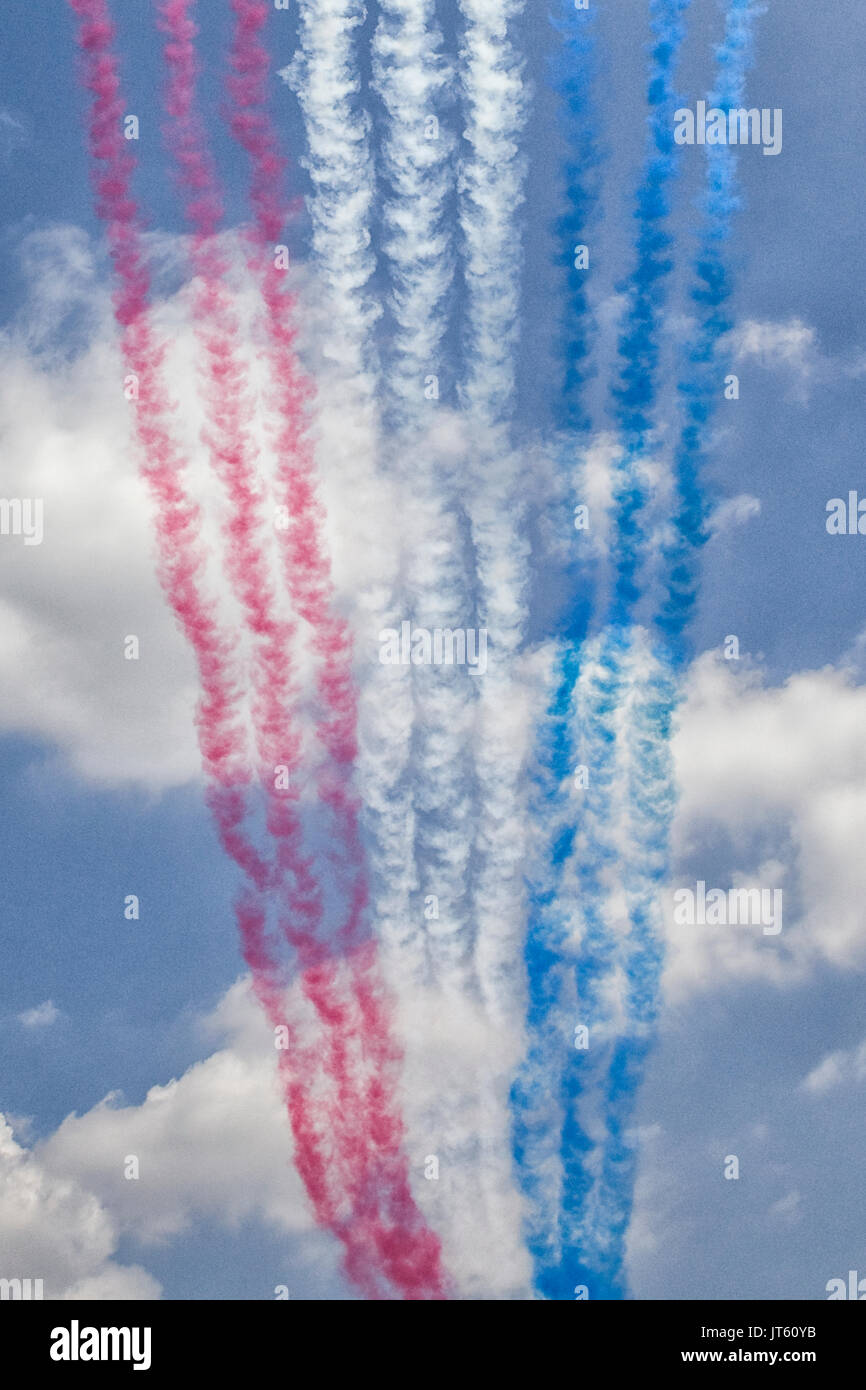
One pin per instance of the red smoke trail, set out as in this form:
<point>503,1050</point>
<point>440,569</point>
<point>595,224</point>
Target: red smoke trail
<point>409,1250</point>
<point>297,1065</point>
<point>180,564</point>
<point>233,454</point>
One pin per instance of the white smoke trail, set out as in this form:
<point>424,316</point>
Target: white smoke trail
<point>490,194</point>
<point>413,80</point>
<point>614,871</point>
<point>440,1036</point>
<point>463,1123</point>
<point>475,1202</point>
<point>325,75</point>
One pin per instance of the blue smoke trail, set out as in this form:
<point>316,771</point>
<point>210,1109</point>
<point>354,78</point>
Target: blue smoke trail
<point>635,396</point>
<point>587,1248</point>
<point>651,787</point>
<point>537,1097</point>
<point>572,71</point>
<point>635,393</point>
<point>591,729</point>
<point>699,390</point>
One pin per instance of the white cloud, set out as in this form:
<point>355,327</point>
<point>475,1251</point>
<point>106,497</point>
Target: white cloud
<point>792,343</point>
<point>214,1144</point>
<point>191,1137</point>
<point>736,511</point>
<point>42,1016</point>
<point>837,1069</point>
<point>196,1161</point>
<point>55,1229</point>
<point>69,602</point>
<point>792,347</point>
<point>789,1208</point>
<point>772,785</point>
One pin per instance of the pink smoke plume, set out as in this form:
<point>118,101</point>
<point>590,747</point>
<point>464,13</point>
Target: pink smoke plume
<point>234,456</point>
<point>410,1251</point>
<point>180,563</point>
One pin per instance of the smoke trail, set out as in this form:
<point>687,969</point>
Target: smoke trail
<point>647,772</point>
<point>234,456</point>
<point>298,1064</point>
<point>635,393</point>
<point>409,1252</point>
<point>570,953</point>
<point>572,69</point>
<point>658,684</point>
<point>341,171</point>
<point>537,1097</point>
<point>413,80</point>
<point>605,939</point>
<point>734,58</point>
<point>180,561</point>
<point>323,74</point>
<point>635,396</point>
<point>325,77</point>
<point>587,718</point>
<point>490,194</point>
<point>305,561</point>
<point>654,695</point>
<point>327,81</point>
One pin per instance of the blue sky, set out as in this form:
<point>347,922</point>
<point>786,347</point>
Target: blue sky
<point>83,826</point>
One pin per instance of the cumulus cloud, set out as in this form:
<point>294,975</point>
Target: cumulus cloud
<point>70,602</point>
<point>68,1200</point>
<point>772,792</point>
<point>56,1229</point>
<point>772,784</point>
<point>735,511</point>
<point>191,1140</point>
<point>836,1069</point>
<point>791,347</point>
<point>792,343</point>
<point>42,1016</point>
